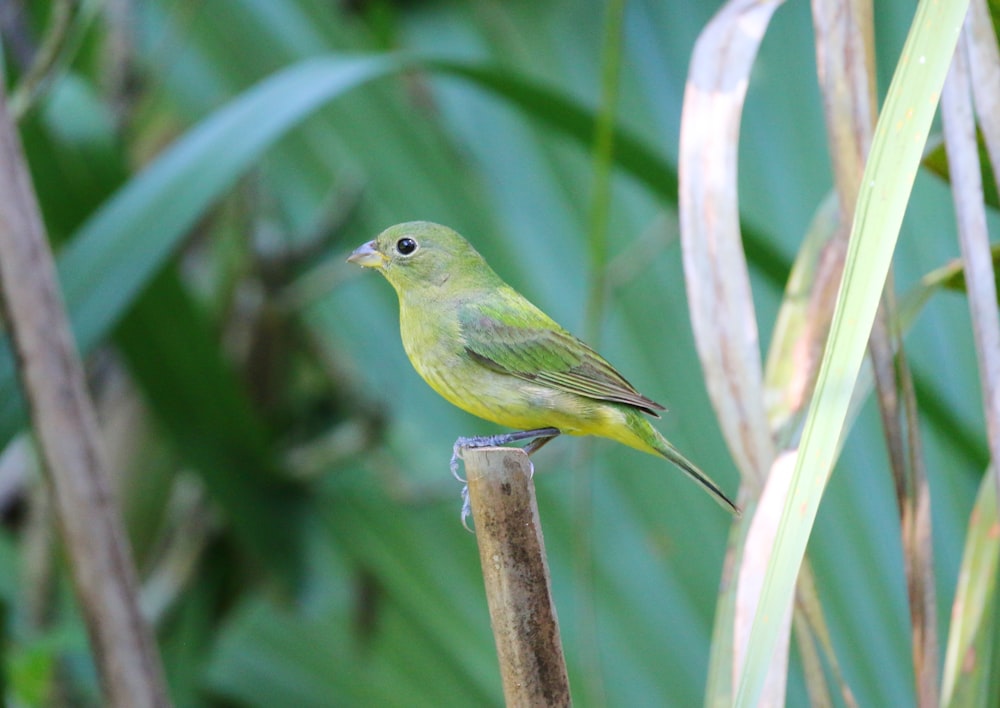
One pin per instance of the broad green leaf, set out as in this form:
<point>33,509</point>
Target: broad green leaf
<point>113,256</point>
<point>937,162</point>
<point>631,153</point>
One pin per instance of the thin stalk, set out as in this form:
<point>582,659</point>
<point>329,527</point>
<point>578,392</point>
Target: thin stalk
<point>898,408</point>
<point>68,438</point>
<point>69,20</point>
<point>973,236</point>
<point>603,162</point>
<point>39,73</point>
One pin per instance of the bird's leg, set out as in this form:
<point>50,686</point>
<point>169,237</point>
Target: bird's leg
<point>537,437</point>
<point>536,445</point>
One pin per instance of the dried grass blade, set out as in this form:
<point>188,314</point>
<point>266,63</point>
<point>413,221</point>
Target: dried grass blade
<point>970,212</point>
<point>715,269</point>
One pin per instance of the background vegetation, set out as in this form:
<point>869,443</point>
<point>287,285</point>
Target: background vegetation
<point>203,169</point>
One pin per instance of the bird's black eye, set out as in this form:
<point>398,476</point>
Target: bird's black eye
<point>406,246</point>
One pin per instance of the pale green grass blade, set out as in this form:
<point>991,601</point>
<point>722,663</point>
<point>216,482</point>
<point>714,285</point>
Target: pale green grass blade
<point>803,321</point>
<point>191,175</point>
<point>896,151</point>
<point>969,662</point>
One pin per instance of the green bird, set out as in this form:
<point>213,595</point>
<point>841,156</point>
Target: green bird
<point>486,349</point>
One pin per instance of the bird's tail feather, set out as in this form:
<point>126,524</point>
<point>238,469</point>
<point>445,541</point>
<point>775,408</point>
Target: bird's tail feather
<point>655,440</point>
<point>673,454</point>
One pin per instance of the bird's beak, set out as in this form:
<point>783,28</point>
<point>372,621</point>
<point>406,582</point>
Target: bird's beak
<point>367,256</point>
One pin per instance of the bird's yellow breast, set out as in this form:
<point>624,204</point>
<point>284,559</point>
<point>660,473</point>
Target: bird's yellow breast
<point>436,350</point>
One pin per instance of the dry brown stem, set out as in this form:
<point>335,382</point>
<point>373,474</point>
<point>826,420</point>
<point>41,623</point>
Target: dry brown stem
<point>65,426</point>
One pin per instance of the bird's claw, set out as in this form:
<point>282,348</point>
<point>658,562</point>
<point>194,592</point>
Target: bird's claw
<point>456,453</point>
<point>466,508</point>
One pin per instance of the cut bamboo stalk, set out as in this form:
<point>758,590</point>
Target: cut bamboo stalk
<point>516,574</point>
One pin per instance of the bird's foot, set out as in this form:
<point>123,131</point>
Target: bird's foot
<point>536,437</point>
<point>466,508</point>
<point>456,452</point>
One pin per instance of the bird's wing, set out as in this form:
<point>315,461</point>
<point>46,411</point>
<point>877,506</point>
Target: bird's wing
<point>508,334</point>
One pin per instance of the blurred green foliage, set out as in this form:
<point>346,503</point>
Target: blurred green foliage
<point>204,167</point>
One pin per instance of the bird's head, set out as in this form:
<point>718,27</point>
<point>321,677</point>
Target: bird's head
<point>420,255</point>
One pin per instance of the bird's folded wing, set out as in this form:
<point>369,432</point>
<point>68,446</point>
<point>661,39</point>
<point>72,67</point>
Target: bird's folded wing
<point>510,335</point>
